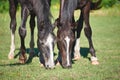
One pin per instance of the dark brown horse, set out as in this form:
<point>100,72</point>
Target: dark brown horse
<point>45,42</point>
<point>65,35</point>
<point>66,22</point>
<point>85,6</point>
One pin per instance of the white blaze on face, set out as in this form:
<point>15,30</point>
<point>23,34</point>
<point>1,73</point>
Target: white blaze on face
<point>49,43</point>
<point>67,39</point>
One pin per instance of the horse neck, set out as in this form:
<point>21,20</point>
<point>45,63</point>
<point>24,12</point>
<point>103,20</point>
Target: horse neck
<point>67,8</point>
<point>42,10</point>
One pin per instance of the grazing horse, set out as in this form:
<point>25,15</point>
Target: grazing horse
<point>45,42</point>
<point>66,19</point>
<point>65,35</point>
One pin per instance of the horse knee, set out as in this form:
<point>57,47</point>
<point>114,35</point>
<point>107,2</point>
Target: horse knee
<point>13,26</point>
<point>88,32</point>
<point>22,32</point>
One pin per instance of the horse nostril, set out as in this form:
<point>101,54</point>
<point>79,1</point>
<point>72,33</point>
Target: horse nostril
<point>47,66</point>
<point>67,66</point>
<point>50,67</point>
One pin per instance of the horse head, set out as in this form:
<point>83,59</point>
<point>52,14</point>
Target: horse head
<point>65,39</point>
<point>46,42</point>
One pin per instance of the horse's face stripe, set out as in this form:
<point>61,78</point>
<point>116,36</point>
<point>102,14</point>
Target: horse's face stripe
<point>67,39</point>
<point>49,43</point>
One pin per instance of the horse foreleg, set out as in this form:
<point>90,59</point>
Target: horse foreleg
<point>77,41</point>
<point>12,13</point>
<point>32,26</point>
<point>22,33</point>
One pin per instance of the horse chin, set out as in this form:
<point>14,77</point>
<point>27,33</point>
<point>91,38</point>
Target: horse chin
<point>49,62</point>
<point>46,60</point>
<point>50,67</point>
<point>67,66</point>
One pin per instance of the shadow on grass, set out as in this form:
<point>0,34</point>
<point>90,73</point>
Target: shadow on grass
<point>31,56</point>
<point>83,52</point>
<point>12,64</point>
<point>29,60</point>
<point>28,52</point>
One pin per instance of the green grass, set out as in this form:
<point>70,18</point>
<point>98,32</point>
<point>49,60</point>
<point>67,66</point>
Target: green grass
<point>106,38</point>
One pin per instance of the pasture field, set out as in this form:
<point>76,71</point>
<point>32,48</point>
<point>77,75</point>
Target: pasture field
<point>106,38</point>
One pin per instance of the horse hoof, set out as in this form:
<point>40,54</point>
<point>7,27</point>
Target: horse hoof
<point>57,64</point>
<point>11,56</point>
<point>95,62</point>
<point>76,58</point>
<point>22,59</point>
<point>41,65</point>
<point>21,62</point>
